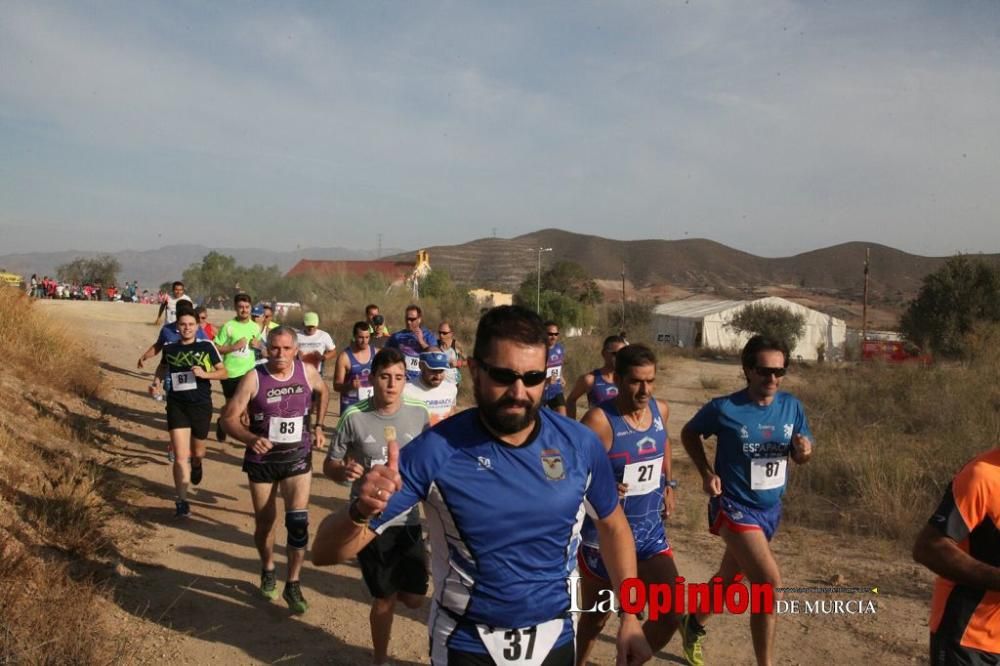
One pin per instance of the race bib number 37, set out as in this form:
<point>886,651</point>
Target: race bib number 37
<point>767,473</point>
<point>527,646</point>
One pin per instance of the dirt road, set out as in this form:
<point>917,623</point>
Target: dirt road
<point>188,587</point>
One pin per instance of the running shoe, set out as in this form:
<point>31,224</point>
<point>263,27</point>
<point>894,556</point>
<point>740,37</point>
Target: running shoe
<point>293,595</point>
<point>269,585</point>
<point>220,434</point>
<point>183,509</point>
<point>692,640</point>
<point>196,474</point>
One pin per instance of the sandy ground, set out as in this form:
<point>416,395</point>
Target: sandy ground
<point>189,586</point>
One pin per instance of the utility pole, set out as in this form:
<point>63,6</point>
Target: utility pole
<point>864,308</point>
<point>538,285</point>
<point>378,247</point>
<point>624,326</point>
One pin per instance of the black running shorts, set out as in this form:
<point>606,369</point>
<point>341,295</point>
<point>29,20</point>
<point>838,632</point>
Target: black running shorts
<point>395,561</point>
<point>194,415</point>
<point>564,655</point>
<point>272,472</point>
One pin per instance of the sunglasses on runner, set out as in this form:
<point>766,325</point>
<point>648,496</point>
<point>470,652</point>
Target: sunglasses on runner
<point>506,376</point>
<point>767,372</point>
<point>444,332</point>
<point>552,333</point>
<point>412,318</point>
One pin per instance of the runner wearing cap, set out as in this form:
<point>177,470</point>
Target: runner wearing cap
<point>315,345</point>
<point>431,388</point>
<point>315,348</point>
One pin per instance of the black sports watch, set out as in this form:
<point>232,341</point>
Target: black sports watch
<point>672,483</point>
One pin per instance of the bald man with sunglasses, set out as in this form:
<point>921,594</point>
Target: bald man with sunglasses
<point>757,430</point>
<point>505,485</point>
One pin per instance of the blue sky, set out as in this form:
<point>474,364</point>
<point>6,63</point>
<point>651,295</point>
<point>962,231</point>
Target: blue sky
<point>773,127</point>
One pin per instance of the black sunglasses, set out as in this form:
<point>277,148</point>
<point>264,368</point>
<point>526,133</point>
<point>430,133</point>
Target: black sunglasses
<point>767,372</point>
<point>412,318</point>
<point>506,376</point>
<point>555,333</point>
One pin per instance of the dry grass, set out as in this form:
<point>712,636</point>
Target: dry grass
<point>54,499</point>
<point>42,350</point>
<point>890,438</point>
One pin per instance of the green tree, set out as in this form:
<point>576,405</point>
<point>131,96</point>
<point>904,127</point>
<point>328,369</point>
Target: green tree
<point>773,321</point>
<point>568,293</point>
<point>101,270</point>
<point>951,301</point>
<point>437,284</point>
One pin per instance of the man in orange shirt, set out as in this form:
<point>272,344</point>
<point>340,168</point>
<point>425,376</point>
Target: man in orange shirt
<point>961,544</point>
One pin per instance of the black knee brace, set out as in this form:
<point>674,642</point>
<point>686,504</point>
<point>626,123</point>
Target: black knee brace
<point>297,524</point>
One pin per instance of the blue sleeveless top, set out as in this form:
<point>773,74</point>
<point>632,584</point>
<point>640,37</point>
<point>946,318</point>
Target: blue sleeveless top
<point>360,370</point>
<point>637,459</point>
<point>601,391</point>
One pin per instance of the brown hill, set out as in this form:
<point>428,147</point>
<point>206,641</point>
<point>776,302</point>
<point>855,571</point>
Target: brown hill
<point>696,264</point>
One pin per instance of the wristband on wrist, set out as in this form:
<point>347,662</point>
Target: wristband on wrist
<point>672,483</point>
<point>355,515</point>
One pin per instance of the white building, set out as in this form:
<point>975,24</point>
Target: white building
<point>704,323</point>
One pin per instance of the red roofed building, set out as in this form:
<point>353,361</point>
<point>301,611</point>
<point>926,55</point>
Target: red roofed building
<point>395,271</point>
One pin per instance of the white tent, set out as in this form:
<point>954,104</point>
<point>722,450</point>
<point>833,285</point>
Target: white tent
<point>703,323</point>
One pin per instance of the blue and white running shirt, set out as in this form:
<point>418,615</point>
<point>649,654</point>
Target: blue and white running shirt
<point>504,522</point>
<point>754,442</point>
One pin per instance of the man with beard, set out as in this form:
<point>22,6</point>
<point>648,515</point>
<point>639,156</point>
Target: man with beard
<point>431,388</point>
<point>505,487</point>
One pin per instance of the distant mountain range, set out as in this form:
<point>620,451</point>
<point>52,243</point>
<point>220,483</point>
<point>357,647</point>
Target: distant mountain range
<point>696,265</point>
<point>154,267</point>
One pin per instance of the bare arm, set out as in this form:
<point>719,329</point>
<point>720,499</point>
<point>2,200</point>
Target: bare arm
<point>941,554</point>
<point>691,440</point>
<point>342,535</point>
<point>340,373</point>
<point>245,392</point>
<point>219,372</point>
<point>614,535</point>
<point>583,384</point>
<point>319,387</point>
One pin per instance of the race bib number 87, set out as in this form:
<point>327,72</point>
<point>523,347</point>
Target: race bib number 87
<point>767,473</point>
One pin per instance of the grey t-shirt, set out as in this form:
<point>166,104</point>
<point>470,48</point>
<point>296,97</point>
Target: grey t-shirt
<point>364,435</point>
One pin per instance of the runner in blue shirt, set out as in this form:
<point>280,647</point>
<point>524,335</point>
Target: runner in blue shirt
<point>412,341</point>
<point>757,430</point>
<point>598,384</point>
<point>553,397</point>
<point>505,487</point>
<point>633,429</point>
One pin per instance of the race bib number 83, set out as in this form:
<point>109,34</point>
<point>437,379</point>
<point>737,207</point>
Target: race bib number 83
<point>285,430</point>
